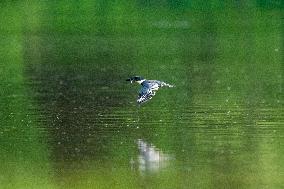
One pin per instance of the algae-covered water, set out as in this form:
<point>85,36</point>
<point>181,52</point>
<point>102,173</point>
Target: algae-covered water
<point>68,118</point>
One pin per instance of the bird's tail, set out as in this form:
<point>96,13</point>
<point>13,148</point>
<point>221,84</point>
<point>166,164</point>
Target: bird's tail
<point>163,84</point>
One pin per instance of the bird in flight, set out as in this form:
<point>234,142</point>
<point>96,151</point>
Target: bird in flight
<point>149,87</point>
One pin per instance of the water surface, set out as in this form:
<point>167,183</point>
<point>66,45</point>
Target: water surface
<point>69,119</point>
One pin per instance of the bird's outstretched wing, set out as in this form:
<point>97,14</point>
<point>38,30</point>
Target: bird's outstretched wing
<point>147,92</point>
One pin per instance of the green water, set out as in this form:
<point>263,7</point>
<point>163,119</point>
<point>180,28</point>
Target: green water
<point>69,119</point>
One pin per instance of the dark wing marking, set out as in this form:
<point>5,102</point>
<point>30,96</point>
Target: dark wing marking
<point>147,92</point>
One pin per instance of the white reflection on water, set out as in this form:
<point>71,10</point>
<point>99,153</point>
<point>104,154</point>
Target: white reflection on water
<point>151,158</point>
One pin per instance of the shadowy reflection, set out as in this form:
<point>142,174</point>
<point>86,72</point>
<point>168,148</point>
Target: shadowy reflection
<point>150,158</point>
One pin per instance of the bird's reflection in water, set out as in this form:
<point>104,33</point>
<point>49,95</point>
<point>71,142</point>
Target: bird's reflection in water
<point>150,158</point>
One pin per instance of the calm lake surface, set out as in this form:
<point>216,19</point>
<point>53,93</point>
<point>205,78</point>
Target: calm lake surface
<point>69,119</point>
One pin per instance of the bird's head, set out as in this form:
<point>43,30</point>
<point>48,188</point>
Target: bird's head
<point>137,79</point>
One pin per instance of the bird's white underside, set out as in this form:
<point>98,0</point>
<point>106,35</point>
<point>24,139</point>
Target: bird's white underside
<point>141,81</point>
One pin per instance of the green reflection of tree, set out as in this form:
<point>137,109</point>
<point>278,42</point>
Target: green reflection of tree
<point>23,151</point>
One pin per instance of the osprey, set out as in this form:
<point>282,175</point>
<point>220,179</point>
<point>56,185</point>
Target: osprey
<point>149,87</point>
